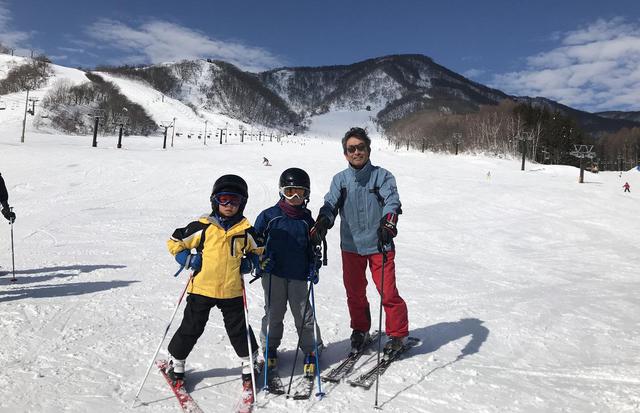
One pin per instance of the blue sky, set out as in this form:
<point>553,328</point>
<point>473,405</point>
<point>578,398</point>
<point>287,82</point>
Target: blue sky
<point>584,53</point>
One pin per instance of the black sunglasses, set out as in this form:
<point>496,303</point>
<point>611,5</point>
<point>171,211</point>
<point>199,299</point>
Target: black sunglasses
<point>359,147</point>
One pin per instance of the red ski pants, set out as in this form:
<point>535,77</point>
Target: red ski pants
<point>355,283</point>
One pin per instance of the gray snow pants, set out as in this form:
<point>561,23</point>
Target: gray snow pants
<point>285,291</point>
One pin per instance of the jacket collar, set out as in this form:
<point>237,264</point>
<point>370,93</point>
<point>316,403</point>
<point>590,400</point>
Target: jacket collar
<point>362,174</point>
<point>224,223</point>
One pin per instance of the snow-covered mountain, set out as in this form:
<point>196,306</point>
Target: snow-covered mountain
<point>192,116</point>
<point>215,93</point>
<point>391,87</point>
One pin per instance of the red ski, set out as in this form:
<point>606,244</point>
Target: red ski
<point>245,404</point>
<point>184,398</point>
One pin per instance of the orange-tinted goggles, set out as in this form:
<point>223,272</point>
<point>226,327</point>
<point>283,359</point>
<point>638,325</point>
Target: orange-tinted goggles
<point>228,198</point>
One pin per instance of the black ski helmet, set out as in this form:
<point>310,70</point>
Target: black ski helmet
<point>230,183</point>
<point>295,177</point>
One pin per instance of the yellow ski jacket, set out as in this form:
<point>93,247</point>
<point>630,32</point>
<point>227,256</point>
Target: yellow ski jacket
<point>222,251</point>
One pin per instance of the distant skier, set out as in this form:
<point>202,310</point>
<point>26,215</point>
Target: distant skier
<point>366,197</point>
<point>219,240</point>
<point>627,187</point>
<point>286,267</point>
<point>4,201</point>
<point>265,161</point>
<point>488,175</point>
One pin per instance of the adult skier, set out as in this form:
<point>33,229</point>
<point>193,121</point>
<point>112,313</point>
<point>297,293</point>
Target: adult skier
<point>366,197</point>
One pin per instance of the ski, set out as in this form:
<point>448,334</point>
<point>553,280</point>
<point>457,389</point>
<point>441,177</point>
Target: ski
<point>246,402</point>
<point>187,403</point>
<point>367,379</point>
<point>303,388</point>
<point>274,382</point>
<point>347,365</point>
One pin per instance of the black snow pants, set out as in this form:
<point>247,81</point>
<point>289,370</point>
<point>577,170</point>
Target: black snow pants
<point>196,315</point>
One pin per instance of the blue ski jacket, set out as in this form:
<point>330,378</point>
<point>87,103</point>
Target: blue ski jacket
<point>286,241</point>
<point>361,197</point>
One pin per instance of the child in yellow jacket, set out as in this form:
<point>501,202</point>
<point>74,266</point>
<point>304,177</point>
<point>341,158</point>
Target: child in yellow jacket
<point>220,240</point>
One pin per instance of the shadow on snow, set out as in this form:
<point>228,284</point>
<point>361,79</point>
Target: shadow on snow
<point>61,290</point>
<point>438,335</point>
<point>432,337</point>
<point>58,272</point>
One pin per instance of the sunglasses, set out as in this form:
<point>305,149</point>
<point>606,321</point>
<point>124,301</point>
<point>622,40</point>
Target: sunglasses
<point>359,147</point>
<point>291,192</point>
<point>228,198</point>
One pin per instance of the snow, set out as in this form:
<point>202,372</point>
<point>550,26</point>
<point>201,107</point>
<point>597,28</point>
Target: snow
<point>522,286</point>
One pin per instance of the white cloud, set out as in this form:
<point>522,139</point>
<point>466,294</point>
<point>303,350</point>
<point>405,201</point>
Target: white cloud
<point>473,73</point>
<point>9,37</point>
<point>160,41</point>
<point>594,68</point>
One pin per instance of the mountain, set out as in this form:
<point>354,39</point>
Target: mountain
<point>394,86</point>
<point>386,89</point>
<point>631,116</point>
<point>591,122</point>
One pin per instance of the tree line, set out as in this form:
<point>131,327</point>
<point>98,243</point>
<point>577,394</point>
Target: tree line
<point>74,106</point>
<point>499,130</point>
<point>28,76</point>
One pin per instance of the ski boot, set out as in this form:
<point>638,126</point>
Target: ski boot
<point>358,340</point>
<point>393,346</point>
<point>176,371</point>
<point>309,367</point>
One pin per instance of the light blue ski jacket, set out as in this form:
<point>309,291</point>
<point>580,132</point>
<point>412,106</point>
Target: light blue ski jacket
<point>361,197</point>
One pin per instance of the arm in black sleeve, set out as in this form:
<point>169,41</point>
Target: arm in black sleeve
<point>4,195</point>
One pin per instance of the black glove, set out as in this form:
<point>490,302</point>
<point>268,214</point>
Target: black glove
<point>319,230</point>
<point>8,214</point>
<point>387,230</point>
<point>314,265</point>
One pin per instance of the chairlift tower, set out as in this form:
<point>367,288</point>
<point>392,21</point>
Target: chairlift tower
<point>581,152</point>
<point>457,140</point>
<point>166,125</point>
<point>96,115</point>
<point>524,137</point>
<point>120,120</point>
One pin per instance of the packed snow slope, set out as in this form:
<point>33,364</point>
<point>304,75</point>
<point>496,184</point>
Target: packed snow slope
<point>523,286</point>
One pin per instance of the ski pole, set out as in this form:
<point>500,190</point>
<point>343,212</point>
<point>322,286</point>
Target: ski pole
<point>384,260</point>
<point>266,351</point>
<point>295,359</point>
<point>246,324</point>
<point>320,393</point>
<point>166,330</point>
<point>268,330</point>
<point>13,260</point>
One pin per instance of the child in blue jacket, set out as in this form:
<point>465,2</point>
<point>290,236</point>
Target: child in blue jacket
<point>287,264</point>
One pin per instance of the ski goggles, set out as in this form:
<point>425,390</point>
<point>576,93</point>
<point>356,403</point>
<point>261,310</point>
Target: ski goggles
<point>228,198</point>
<point>291,192</point>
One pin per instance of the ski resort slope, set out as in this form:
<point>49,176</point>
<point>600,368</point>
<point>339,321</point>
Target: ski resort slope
<point>163,109</point>
<point>12,105</point>
<point>523,286</point>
